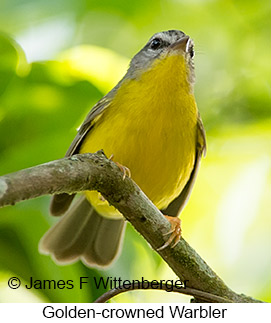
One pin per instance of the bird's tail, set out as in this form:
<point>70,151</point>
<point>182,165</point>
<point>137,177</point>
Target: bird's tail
<point>83,233</point>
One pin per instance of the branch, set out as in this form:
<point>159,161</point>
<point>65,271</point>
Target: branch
<point>95,172</point>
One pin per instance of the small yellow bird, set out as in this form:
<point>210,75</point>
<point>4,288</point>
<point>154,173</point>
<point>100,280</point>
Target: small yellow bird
<point>150,123</point>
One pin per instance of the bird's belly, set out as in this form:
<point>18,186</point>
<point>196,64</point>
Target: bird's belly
<point>160,158</point>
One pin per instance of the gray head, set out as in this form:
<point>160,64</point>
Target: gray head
<point>159,44</point>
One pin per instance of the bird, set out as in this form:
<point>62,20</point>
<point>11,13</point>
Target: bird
<point>150,123</point>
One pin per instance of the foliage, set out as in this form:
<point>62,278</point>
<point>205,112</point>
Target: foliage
<point>58,58</point>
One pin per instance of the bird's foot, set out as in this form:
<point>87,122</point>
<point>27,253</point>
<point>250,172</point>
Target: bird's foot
<point>125,170</point>
<point>175,232</point>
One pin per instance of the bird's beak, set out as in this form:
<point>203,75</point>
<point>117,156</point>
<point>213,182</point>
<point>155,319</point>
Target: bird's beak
<point>183,44</point>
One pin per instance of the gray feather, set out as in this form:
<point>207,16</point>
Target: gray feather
<point>84,234</point>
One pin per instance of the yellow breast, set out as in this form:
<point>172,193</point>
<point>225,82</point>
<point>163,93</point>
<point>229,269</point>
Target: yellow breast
<point>150,127</point>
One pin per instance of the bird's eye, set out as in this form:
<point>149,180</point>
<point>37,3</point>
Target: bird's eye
<point>155,43</point>
<point>191,52</point>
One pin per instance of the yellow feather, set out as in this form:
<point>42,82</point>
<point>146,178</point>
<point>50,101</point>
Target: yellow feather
<point>150,127</point>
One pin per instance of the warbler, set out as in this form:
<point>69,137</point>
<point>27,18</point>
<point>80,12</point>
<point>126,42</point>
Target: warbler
<point>151,125</point>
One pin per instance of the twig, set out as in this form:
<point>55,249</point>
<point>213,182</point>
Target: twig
<point>210,298</point>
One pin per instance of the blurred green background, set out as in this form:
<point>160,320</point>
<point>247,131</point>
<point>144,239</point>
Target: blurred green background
<point>57,58</point>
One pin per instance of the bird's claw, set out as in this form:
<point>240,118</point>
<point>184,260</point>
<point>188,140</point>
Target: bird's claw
<point>125,170</point>
<point>175,232</point>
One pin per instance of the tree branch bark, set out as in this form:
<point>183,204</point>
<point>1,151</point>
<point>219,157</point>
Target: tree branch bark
<point>95,172</point>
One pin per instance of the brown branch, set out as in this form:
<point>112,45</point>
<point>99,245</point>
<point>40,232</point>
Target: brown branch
<point>206,297</point>
<point>96,172</point>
